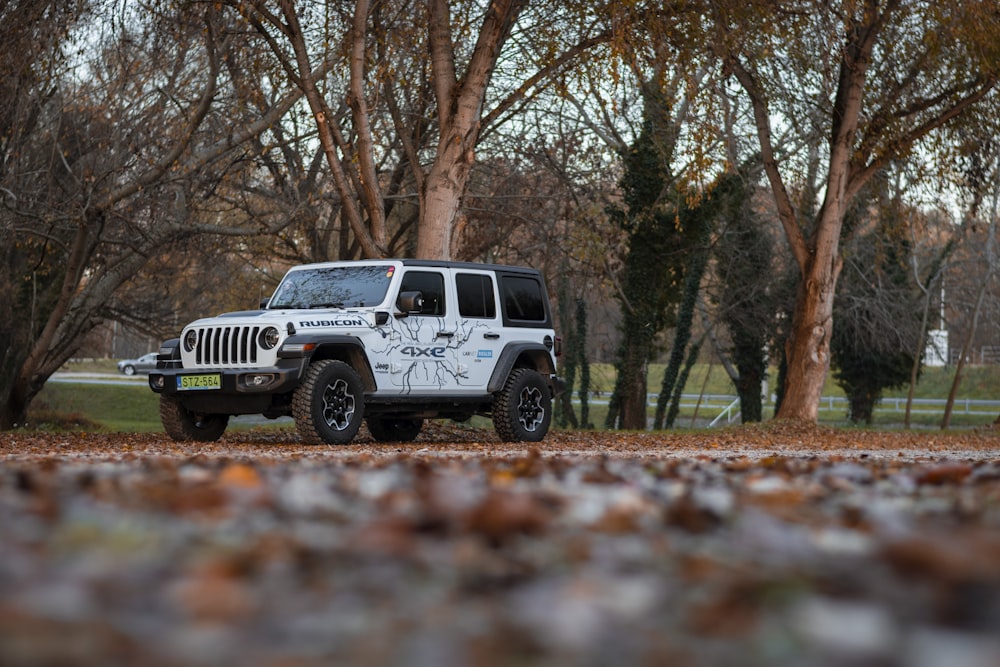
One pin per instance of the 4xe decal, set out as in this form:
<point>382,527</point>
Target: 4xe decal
<point>342,322</point>
<point>433,352</point>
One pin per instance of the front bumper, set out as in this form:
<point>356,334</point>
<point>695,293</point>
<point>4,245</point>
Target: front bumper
<point>239,390</point>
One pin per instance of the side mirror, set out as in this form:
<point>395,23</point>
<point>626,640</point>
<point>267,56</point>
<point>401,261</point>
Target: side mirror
<point>410,303</point>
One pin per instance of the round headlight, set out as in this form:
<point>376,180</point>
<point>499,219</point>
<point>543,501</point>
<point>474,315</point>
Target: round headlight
<point>190,340</point>
<point>269,338</point>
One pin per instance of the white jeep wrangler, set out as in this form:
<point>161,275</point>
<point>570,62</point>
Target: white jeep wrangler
<point>393,342</point>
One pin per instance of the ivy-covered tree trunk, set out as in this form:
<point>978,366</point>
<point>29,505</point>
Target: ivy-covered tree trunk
<point>630,385</point>
<point>659,239</point>
<point>700,218</point>
<point>675,399</point>
<point>749,359</point>
<point>565,415</point>
<point>583,363</point>
<point>879,318</point>
<point>749,296</point>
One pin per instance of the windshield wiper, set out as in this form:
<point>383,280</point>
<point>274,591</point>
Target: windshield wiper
<point>338,304</point>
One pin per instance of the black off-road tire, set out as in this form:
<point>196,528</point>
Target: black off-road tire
<point>184,425</point>
<point>329,405</point>
<point>393,429</point>
<point>522,410</point>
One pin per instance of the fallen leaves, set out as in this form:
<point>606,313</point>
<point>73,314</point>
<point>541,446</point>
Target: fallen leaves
<point>760,545</point>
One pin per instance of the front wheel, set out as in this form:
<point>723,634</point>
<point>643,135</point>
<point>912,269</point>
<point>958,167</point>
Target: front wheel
<point>329,404</point>
<point>182,424</point>
<point>129,370</point>
<point>522,410</point>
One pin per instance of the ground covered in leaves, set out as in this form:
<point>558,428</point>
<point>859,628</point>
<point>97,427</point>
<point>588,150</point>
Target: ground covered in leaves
<point>770,545</point>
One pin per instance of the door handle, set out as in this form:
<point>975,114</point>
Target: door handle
<point>445,334</point>
<point>491,336</point>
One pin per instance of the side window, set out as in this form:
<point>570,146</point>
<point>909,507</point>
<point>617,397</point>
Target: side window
<point>522,299</point>
<point>475,295</point>
<point>431,285</point>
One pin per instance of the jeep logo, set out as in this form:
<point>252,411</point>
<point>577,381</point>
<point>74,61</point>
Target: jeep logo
<point>433,352</point>
<point>348,322</point>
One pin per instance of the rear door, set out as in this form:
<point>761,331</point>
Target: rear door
<point>480,328</point>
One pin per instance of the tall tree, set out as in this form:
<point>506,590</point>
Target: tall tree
<point>978,157</point>
<point>109,157</point>
<point>701,222</point>
<point>875,77</point>
<point>877,305</point>
<point>399,107</point>
<point>661,229</point>
<point>750,277</point>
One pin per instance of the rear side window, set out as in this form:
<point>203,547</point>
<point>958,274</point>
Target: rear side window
<point>522,299</point>
<point>475,295</point>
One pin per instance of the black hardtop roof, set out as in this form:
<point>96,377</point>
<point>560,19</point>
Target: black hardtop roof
<point>448,264</point>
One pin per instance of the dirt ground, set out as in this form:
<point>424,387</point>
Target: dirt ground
<point>767,545</point>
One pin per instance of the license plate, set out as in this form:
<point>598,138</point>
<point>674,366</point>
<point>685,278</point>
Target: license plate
<point>189,382</point>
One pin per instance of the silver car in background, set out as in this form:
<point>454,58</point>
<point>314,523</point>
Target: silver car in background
<point>143,364</point>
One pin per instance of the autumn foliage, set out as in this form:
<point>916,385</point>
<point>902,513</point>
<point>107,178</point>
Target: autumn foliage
<point>722,547</point>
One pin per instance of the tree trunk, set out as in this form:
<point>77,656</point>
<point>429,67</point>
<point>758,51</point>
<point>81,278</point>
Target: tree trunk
<point>583,362</point>
<point>14,410</point>
<point>445,186</point>
<point>460,106</point>
<point>564,407</point>
<point>675,399</point>
<point>630,393</point>
<point>633,398</point>
<point>862,408</point>
<point>685,319</point>
<point>371,235</point>
<point>749,390</point>
<point>985,281</point>
<point>808,347</point>
<point>966,346</point>
<point>918,354</point>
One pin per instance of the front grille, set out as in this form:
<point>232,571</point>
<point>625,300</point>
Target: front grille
<point>234,345</point>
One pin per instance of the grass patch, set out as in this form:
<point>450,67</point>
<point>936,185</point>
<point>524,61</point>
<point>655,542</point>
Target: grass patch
<point>135,409</point>
<point>49,420</point>
<point>112,408</point>
<point>978,382</point>
<point>91,366</point>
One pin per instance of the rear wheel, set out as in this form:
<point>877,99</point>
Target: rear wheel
<point>182,424</point>
<point>392,429</point>
<point>522,410</point>
<point>329,404</point>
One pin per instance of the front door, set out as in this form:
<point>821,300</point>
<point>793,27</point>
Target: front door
<point>422,353</point>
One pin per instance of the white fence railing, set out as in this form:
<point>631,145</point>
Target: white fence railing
<point>726,406</point>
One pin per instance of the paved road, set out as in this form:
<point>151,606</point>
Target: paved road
<point>99,378</point>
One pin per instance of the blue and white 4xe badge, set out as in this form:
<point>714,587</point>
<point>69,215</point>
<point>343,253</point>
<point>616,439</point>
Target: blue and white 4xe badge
<point>484,354</point>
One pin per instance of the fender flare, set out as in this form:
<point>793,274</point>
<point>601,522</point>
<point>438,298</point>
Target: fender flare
<point>343,347</point>
<point>170,351</point>
<point>539,354</point>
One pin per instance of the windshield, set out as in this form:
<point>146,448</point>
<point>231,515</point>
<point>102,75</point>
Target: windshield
<point>333,287</point>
